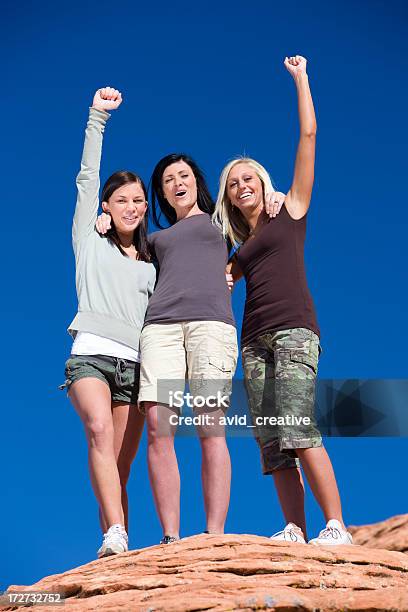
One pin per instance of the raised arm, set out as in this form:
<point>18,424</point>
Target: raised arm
<point>300,193</point>
<point>88,178</point>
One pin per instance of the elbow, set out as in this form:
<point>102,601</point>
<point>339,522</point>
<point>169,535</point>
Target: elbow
<point>309,133</point>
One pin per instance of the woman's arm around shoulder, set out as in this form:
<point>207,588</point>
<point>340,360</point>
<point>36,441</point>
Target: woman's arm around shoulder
<point>232,269</point>
<point>299,195</point>
<point>87,180</point>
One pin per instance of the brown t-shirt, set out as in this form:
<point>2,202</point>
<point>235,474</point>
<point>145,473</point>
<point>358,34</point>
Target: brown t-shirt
<point>192,256</point>
<point>277,295</point>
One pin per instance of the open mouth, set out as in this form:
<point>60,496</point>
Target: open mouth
<point>129,220</point>
<point>180,194</point>
<point>246,195</point>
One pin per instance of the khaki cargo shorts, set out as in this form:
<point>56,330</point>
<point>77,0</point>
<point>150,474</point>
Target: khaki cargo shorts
<point>204,353</point>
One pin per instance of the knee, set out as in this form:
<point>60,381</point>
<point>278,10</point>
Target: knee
<point>153,436</point>
<point>159,428</point>
<point>99,433</point>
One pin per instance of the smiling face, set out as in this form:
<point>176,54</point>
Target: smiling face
<point>127,206</point>
<point>244,188</point>
<point>179,187</point>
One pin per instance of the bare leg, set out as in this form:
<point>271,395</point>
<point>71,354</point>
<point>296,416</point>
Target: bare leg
<point>102,522</point>
<point>291,492</point>
<point>128,427</point>
<point>216,476</point>
<point>163,467</point>
<point>92,400</point>
<point>320,476</point>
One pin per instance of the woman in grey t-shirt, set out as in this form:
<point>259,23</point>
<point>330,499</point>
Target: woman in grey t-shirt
<point>189,334</point>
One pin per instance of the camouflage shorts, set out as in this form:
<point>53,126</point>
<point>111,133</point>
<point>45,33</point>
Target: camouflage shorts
<point>280,371</point>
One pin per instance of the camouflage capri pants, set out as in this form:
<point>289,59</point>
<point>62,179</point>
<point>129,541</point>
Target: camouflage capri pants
<point>280,371</point>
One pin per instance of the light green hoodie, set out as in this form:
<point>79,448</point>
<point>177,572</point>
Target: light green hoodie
<point>113,290</point>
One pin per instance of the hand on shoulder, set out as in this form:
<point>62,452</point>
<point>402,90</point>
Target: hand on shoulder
<point>273,203</point>
<point>103,223</point>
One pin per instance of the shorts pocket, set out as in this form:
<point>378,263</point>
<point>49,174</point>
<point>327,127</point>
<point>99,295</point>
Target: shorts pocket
<point>298,356</point>
<point>223,365</point>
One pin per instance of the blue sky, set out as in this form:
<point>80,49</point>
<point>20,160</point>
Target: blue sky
<point>207,79</point>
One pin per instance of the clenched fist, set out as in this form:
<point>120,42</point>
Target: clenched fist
<point>107,99</point>
<point>295,64</point>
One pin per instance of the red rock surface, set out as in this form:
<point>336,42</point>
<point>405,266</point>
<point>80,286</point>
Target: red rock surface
<point>234,572</point>
<point>391,534</point>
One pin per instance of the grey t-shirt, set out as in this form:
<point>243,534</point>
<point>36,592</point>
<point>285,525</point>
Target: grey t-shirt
<point>192,256</point>
<point>113,290</point>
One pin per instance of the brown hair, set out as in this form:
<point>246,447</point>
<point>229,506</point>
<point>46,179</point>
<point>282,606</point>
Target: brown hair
<point>118,179</point>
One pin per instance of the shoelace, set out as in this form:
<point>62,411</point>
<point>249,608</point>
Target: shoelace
<point>333,532</point>
<point>292,534</point>
<point>114,530</point>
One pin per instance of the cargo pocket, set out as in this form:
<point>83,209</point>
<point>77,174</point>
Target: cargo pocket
<point>221,365</point>
<point>213,379</point>
<point>308,361</point>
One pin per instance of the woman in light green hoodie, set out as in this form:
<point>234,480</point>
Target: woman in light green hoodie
<point>114,280</point>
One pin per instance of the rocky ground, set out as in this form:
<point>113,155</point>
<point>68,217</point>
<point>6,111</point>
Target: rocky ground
<point>244,572</point>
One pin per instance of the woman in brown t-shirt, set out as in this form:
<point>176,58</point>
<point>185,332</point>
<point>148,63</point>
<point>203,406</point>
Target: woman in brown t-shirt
<point>280,334</point>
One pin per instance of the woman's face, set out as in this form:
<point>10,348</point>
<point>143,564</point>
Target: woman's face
<point>127,206</point>
<point>244,187</point>
<point>179,186</point>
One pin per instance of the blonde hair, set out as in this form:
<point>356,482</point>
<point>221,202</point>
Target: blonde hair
<point>228,218</point>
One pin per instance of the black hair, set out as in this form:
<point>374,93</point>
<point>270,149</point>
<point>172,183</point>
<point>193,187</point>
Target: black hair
<point>118,179</point>
<point>159,203</point>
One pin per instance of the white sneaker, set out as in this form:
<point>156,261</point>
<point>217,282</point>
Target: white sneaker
<point>334,534</point>
<point>291,533</point>
<point>115,541</point>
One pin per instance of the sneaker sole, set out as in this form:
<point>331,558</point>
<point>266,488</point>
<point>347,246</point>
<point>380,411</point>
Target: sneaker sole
<point>287,541</point>
<point>109,552</point>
